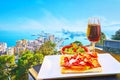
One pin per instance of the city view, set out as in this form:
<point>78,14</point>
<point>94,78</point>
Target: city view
<point>31,30</point>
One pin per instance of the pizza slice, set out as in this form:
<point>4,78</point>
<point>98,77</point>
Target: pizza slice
<point>79,63</point>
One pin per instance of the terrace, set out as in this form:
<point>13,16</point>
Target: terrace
<point>111,47</point>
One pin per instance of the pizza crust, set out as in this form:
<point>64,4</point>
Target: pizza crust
<point>66,70</point>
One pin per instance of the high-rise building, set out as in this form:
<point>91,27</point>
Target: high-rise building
<point>3,47</point>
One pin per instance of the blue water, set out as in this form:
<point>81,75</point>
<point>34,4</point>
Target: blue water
<point>11,37</point>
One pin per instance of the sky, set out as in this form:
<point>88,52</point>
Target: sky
<point>54,15</point>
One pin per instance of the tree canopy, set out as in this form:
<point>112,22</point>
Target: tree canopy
<point>102,38</point>
<point>48,48</point>
<point>7,63</point>
<point>116,36</point>
<point>78,43</point>
<point>19,70</point>
<point>25,62</point>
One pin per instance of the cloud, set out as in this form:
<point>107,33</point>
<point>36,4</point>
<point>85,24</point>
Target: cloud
<point>31,24</point>
<point>57,23</point>
<point>51,23</point>
<point>22,24</point>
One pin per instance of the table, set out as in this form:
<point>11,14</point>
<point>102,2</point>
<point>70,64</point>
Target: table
<point>34,71</point>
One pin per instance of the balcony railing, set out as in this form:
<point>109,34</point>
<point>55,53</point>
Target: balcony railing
<point>112,46</point>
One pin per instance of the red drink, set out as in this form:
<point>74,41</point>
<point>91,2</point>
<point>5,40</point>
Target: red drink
<point>93,32</point>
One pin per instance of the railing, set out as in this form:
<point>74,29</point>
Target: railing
<point>112,46</point>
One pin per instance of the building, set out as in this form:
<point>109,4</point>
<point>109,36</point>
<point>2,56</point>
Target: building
<point>34,44</point>
<point>51,38</point>
<point>30,43</point>
<point>41,39</point>
<point>19,50</point>
<point>21,43</point>
<point>10,51</point>
<point>3,48</point>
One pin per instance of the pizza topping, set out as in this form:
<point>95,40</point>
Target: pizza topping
<point>88,60</point>
<point>66,59</point>
<point>85,48</point>
<point>82,63</point>
<point>74,49</point>
<point>78,59</point>
<point>72,61</point>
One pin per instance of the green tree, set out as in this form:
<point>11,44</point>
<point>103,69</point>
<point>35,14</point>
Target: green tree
<point>38,58</point>
<point>116,36</point>
<point>27,59</point>
<point>25,62</point>
<point>102,38</point>
<point>78,43</point>
<point>48,48</point>
<point>7,63</point>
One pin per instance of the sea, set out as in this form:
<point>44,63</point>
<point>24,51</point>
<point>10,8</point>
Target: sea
<point>10,37</point>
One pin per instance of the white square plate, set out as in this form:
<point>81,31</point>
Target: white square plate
<point>50,68</point>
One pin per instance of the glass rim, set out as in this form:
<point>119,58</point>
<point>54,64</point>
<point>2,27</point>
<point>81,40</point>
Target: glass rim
<point>90,19</point>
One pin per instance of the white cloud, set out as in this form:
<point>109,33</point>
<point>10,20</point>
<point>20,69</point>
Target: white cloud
<point>50,23</point>
<point>31,24</point>
<point>54,23</point>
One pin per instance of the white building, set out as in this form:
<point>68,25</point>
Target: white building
<point>10,51</point>
<point>33,44</point>
<point>41,39</point>
<point>3,47</point>
<point>30,43</point>
<point>51,38</point>
<point>19,43</point>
